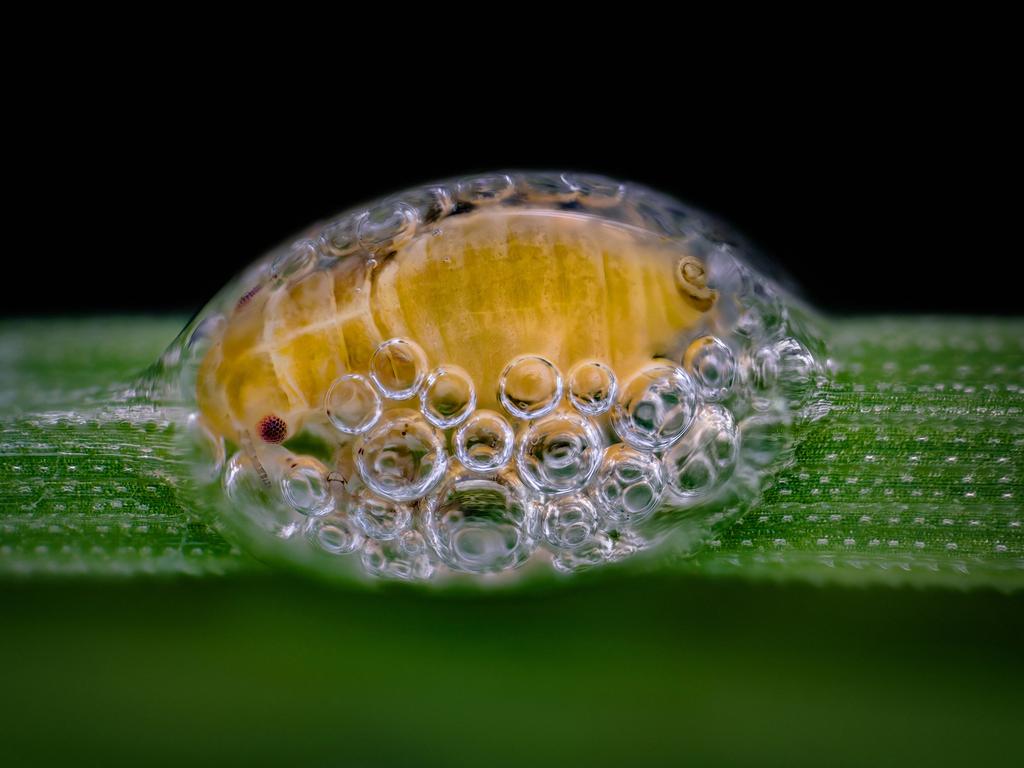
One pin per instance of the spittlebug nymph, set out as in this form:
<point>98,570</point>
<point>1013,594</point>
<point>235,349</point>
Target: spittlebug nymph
<point>510,370</point>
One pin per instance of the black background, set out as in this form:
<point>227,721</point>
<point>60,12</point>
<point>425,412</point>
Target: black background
<point>887,200</point>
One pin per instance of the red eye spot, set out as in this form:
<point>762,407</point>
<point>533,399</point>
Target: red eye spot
<point>272,429</point>
<point>247,297</point>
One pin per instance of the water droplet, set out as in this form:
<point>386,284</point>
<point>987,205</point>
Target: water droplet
<point>402,457</point>
<point>484,443</point>
<point>530,386</point>
<point>480,524</point>
<point>655,408</point>
<point>304,485</point>
<point>700,463</point>
<point>629,484</point>
<point>352,405</point>
<point>448,396</point>
<point>398,368</point>
<point>559,453</point>
<point>569,521</point>
<point>592,387</point>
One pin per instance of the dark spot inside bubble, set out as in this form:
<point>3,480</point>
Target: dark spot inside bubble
<point>462,207</point>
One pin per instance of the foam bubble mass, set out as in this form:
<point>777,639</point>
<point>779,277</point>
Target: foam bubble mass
<point>494,376</point>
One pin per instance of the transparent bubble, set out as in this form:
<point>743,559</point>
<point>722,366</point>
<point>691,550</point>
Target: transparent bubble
<point>387,225</point>
<point>569,521</point>
<point>403,457</point>
<point>377,517</point>
<point>713,367</point>
<point>547,188</point>
<point>305,487</point>
<point>392,560</point>
<point>699,464</point>
<point>484,442</point>
<point>296,261</point>
<point>448,396</point>
<point>335,534</point>
<point>655,407</point>
<point>559,453</point>
<point>340,239</point>
<point>352,404</point>
<point>430,203</point>
<point>482,190</point>
<point>592,387</point>
<point>797,371</point>
<point>598,549</point>
<point>398,368</point>
<point>629,484</point>
<point>254,497</point>
<point>595,191</point>
<point>530,387</point>
<point>480,524</point>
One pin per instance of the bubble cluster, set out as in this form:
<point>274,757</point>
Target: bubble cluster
<point>614,365</point>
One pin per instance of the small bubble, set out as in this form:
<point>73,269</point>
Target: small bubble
<point>448,396</point>
<point>352,405</point>
<point>547,188</point>
<point>304,485</point>
<point>569,521</point>
<point>335,534</point>
<point>390,560</point>
<point>530,387</point>
<point>592,387</point>
<point>595,191</point>
<point>484,443</point>
<point>655,408</point>
<point>480,524</point>
<point>700,463</point>
<point>481,190</point>
<point>628,484</point>
<point>252,496</point>
<point>559,453</point>
<point>296,261</point>
<point>386,226</point>
<point>398,368</point>
<point>713,367</point>
<point>379,518</point>
<point>402,457</point>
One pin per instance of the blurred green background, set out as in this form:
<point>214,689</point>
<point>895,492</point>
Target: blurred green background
<point>654,670</point>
